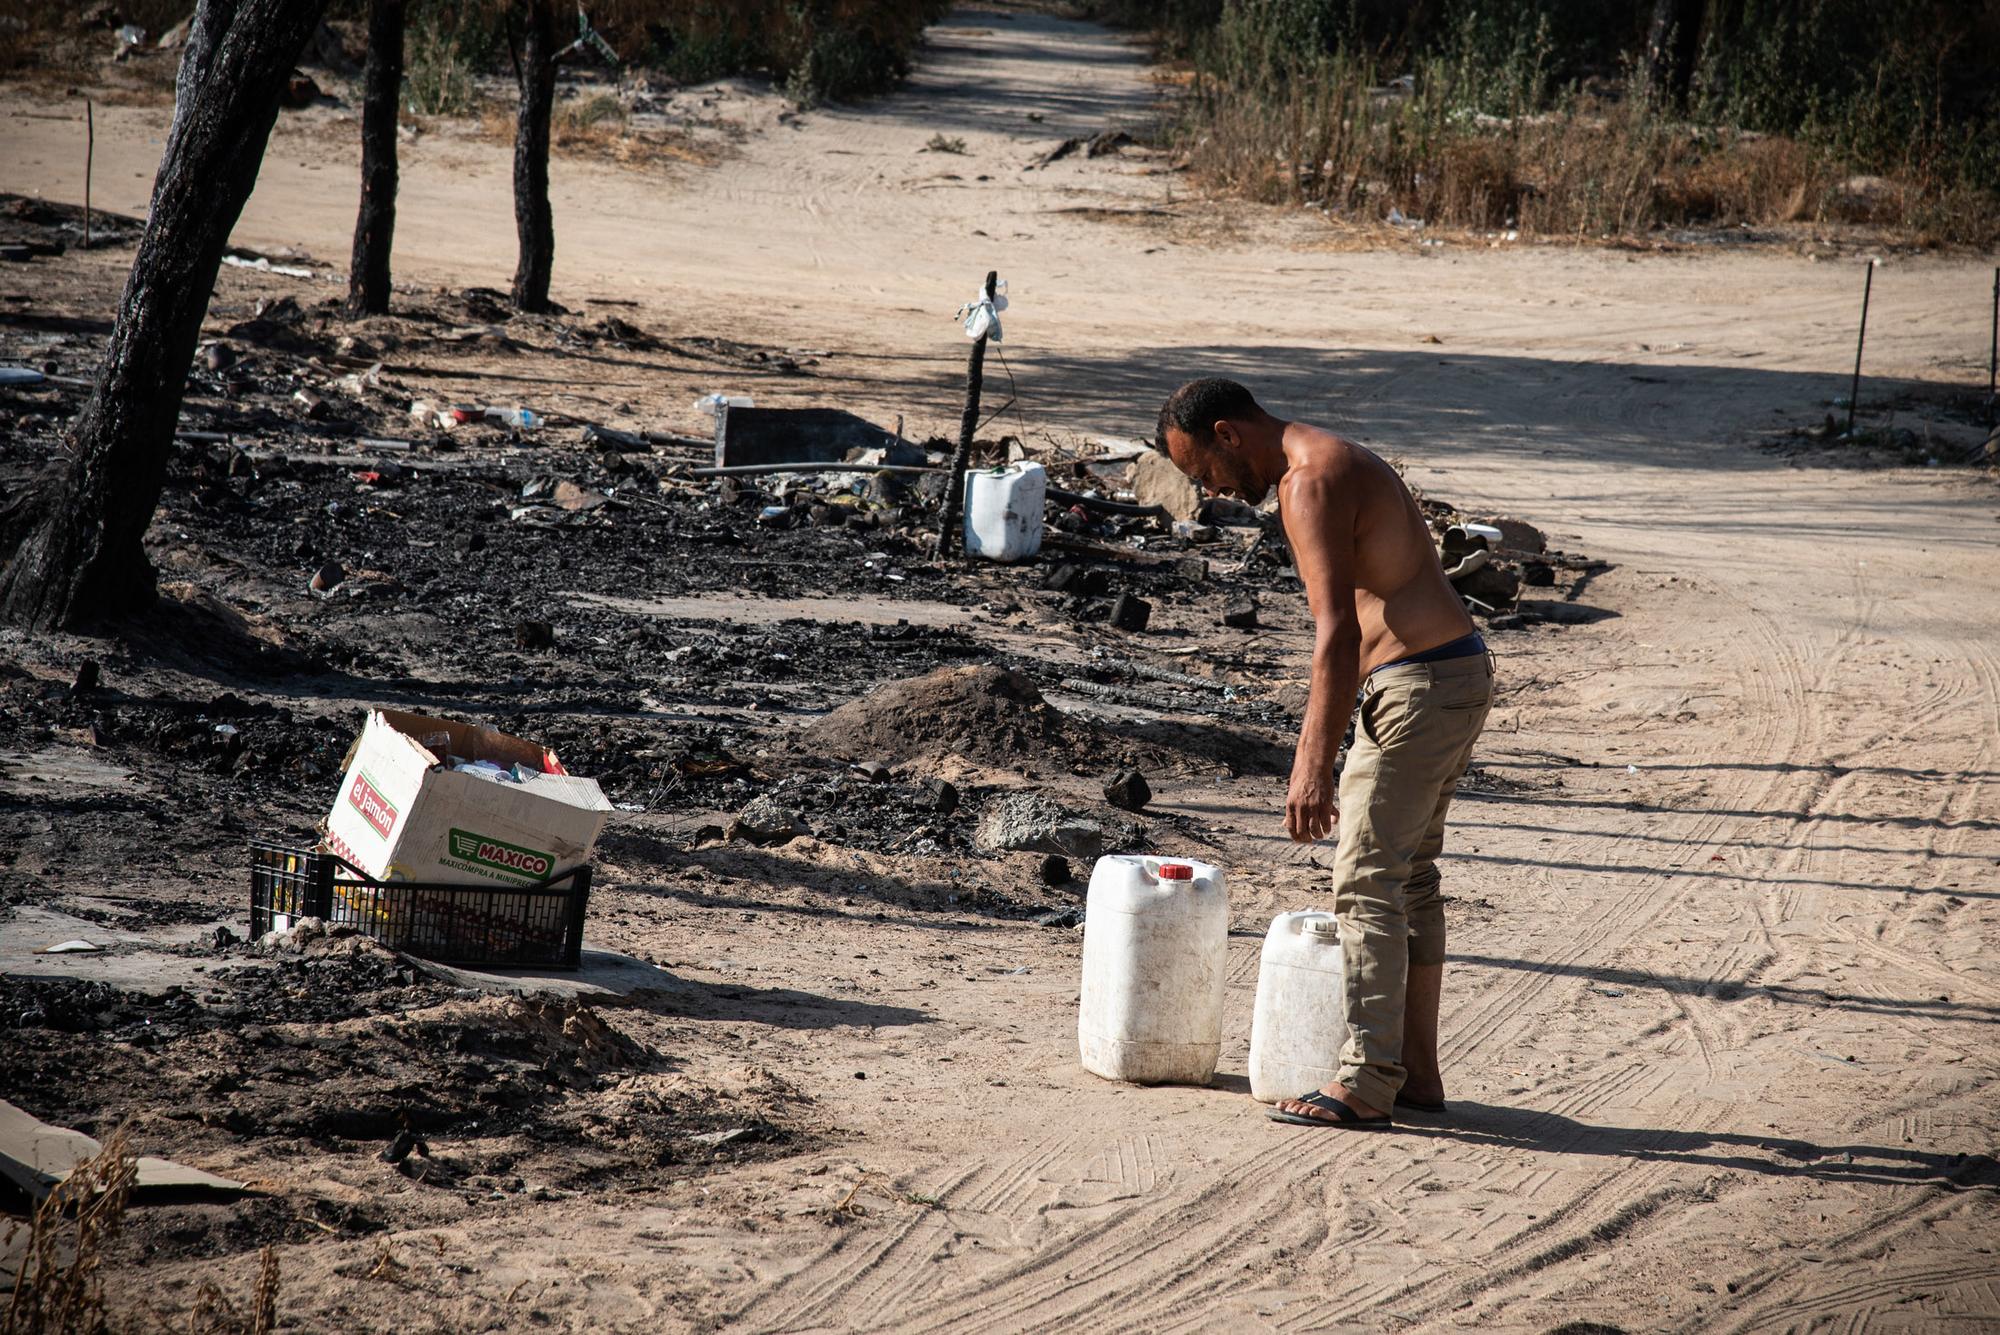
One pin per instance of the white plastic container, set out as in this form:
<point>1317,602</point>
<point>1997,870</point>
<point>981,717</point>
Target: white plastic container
<point>1003,511</point>
<point>1155,937</point>
<point>1298,1026</point>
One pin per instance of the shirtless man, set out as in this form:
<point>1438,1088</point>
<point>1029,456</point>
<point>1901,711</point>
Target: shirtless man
<point>1386,620</point>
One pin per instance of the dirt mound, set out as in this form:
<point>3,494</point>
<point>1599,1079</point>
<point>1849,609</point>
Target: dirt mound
<point>991,715</point>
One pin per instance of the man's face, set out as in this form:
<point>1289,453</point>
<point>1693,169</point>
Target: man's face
<point>1217,465</point>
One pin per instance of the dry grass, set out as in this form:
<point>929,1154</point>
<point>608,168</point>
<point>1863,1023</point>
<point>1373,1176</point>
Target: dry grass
<point>60,1288</point>
<point>1481,136</point>
<point>1593,170</point>
<point>597,128</point>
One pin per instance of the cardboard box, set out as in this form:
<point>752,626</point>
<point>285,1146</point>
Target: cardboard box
<point>403,815</point>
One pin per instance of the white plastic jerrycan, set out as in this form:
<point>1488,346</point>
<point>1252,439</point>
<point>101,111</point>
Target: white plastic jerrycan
<point>1298,1026</point>
<point>1003,511</point>
<point>1155,934</point>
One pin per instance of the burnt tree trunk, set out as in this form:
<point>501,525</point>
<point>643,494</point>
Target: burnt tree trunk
<point>1673,45</point>
<point>375,226</point>
<point>78,532</point>
<point>532,220</point>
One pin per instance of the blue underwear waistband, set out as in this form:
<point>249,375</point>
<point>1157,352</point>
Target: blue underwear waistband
<point>1465,646</point>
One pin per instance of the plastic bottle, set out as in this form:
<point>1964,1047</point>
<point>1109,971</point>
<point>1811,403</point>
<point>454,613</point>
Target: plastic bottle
<point>1298,1027</point>
<point>1155,940</point>
<point>515,417</point>
<point>1003,511</point>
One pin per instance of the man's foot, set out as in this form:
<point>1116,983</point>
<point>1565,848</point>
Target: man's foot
<point>1332,1106</point>
<point>1425,1095</point>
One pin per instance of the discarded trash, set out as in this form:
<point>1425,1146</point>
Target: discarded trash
<point>1065,917</point>
<point>721,1138</point>
<point>1003,511</point>
<point>515,417</point>
<point>1492,535</point>
<point>1131,613</point>
<point>15,377</point>
<point>328,577</point>
<point>408,811</point>
<point>713,404</point>
<point>612,441</point>
<point>36,1157</point>
<point>71,948</point>
<point>263,265</point>
<point>747,436</point>
<point>131,34</point>
<point>981,315</point>
<point>571,497</point>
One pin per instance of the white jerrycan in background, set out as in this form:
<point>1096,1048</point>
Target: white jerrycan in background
<point>1298,1026</point>
<point>1004,510</point>
<point>1155,937</point>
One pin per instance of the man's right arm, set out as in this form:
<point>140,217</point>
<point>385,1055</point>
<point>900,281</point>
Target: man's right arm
<point>1319,511</point>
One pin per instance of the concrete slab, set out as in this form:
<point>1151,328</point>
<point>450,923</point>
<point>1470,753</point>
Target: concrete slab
<point>604,973</point>
<point>132,958</point>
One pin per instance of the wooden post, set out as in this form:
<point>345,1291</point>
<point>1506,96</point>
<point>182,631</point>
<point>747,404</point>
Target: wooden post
<point>1854,394</point>
<point>89,156</point>
<point>954,493</point>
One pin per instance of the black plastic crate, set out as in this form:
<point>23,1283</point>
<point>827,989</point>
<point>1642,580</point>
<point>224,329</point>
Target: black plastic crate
<point>538,924</point>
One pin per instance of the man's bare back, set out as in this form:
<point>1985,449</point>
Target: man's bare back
<point>1347,511</point>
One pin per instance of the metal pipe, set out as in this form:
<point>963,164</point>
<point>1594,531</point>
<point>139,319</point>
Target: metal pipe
<point>1089,502</point>
<point>758,470</point>
<point>1854,394</point>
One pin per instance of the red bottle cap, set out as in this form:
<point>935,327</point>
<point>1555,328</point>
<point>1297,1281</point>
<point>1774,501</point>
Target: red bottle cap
<point>1176,871</point>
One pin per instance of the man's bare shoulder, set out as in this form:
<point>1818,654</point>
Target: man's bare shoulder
<point>1323,465</point>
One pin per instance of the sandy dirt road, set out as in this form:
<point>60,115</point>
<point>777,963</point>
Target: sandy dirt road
<point>1720,1022</point>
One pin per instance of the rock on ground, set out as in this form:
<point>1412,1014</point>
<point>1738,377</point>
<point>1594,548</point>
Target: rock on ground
<point>1026,822</point>
<point>1155,481</point>
<point>763,821</point>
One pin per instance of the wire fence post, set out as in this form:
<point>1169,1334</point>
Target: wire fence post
<point>949,537</point>
<point>1854,394</point>
<point>1993,356</point>
<point>89,154</point>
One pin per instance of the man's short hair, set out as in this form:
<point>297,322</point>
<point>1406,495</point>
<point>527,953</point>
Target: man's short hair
<point>1197,406</point>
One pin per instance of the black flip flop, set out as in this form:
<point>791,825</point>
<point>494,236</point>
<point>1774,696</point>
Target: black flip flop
<point>1405,1101</point>
<point>1343,1117</point>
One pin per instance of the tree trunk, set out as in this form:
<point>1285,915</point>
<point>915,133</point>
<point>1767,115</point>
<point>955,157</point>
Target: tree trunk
<point>375,227</point>
<point>81,555</point>
<point>532,220</point>
<point>1673,44</point>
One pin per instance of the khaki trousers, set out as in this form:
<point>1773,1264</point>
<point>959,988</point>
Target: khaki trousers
<point>1412,741</point>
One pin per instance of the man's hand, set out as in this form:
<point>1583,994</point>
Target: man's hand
<point>1310,811</point>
